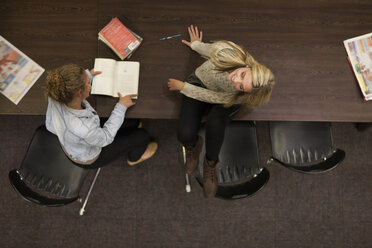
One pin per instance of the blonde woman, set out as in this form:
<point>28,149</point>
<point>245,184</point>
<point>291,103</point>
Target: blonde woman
<point>229,78</point>
<point>77,125</point>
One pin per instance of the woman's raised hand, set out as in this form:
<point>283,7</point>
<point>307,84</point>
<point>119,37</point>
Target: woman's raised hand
<point>194,35</point>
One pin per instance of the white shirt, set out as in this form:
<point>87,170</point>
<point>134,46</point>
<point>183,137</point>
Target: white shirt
<point>79,131</point>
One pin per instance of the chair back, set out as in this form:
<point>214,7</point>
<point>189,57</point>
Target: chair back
<point>47,173</point>
<point>240,173</point>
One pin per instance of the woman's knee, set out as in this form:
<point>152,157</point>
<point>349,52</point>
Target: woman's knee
<point>216,121</point>
<point>186,135</point>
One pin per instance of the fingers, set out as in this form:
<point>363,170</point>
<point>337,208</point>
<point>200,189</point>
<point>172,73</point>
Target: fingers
<point>194,31</point>
<point>170,83</point>
<point>129,95</point>
<point>95,72</point>
<point>191,30</point>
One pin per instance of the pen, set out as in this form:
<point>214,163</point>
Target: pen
<point>170,37</point>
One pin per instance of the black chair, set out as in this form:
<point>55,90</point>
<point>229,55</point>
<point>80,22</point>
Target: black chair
<point>305,147</point>
<point>240,174</point>
<point>363,126</point>
<point>47,176</point>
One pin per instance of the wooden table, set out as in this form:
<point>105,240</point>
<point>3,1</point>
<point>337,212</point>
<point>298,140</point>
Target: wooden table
<point>301,41</point>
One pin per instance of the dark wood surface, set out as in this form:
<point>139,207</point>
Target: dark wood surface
<point>301,41</point>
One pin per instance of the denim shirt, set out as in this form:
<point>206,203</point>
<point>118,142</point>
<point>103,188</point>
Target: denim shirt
<point>79,131</point>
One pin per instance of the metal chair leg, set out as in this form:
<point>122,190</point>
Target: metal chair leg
<point>188,186</point>
<point>82,209</point>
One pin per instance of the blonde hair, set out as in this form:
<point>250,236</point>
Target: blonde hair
<point>232,57</point>
<point>63,82</point>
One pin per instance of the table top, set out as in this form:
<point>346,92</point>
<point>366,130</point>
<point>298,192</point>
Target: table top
<point>301,42</point>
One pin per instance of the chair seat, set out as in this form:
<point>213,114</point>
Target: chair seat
<point>305,147</point>
<point>47,176</point>
<point>239,171</point>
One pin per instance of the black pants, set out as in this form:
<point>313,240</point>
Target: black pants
<point>218,117</point>
<point>129,140</point>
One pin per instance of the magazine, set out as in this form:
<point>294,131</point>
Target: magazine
<point>116,76</point>
<point>359,51</point>
<point>17,72</point>
<point>119,38</point>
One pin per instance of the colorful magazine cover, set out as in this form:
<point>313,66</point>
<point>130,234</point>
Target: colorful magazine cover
<point>17,72</point>
<point>359,51</point>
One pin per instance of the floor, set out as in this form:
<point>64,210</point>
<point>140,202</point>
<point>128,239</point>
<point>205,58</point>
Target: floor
<point>147,206</point>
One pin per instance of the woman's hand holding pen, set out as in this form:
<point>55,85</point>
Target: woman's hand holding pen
<point>195,35</point>
<point>126,100</point>
<point>174,84</point>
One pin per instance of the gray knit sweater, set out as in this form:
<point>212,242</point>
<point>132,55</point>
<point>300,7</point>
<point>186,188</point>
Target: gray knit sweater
<point>218,87</point>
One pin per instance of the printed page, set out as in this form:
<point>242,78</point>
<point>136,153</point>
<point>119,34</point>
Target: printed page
<point>359,50</point>
<point>17,72</point>
<point>127,77</point>
<point>103,83</point>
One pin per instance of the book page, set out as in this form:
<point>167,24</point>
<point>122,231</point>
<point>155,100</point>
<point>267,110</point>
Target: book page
<point>103,83</point>
<point>127,77</point>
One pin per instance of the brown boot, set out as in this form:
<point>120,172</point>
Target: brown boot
<point>192,156</point>
<point>209,178</point>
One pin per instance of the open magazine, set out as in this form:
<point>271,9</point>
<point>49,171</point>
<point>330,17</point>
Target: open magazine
<point>359,51</point>
<point>17,72</point>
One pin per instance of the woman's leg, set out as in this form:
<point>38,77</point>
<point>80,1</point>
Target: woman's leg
<point>188,125</point>
<point>217,121</point>
<point>131,141</point>
<point>188,129</point>
<point>218,118</point>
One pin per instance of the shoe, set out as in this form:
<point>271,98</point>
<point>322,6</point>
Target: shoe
<point>192,156</point>
<point>150,151</point>
<point>209,178</point>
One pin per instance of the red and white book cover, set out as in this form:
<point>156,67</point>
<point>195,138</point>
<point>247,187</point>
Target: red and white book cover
<point>119,38</point>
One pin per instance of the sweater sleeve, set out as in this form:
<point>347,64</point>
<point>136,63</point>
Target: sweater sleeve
<point>206,95</point>
<point>104,136</point>
<point>202,48</point>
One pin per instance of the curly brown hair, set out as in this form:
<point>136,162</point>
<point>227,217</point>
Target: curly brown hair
<point>63,83</point>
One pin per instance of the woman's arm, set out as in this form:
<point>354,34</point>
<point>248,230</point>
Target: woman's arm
<point>196,43</point>
<point>97,136</point>
<point>205,95</point>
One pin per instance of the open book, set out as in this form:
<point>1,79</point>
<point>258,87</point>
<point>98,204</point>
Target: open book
<point>116,76</point>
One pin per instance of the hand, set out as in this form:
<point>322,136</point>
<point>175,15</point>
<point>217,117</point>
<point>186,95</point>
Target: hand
<point>174,84</point>
<point>126,100</point>
<point>94,72</point>
<point>194,35</point>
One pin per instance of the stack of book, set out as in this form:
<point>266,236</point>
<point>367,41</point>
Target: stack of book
<point>119,38</point>
<point>359,51</point>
